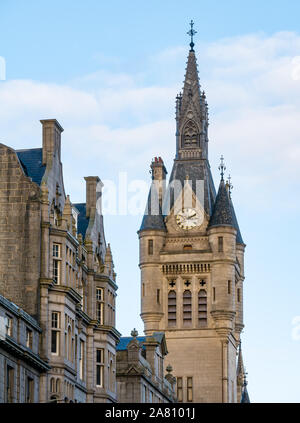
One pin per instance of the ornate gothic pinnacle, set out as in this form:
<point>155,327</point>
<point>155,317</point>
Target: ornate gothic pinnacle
<point>222,168</point>
<point>229,185</point>
<point>134,333</point>
<point>169,368</point>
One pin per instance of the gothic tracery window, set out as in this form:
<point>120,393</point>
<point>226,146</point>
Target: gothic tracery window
<point>190,134</point>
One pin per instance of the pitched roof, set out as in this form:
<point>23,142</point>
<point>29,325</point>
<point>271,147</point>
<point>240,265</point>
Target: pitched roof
<point>222,211</point>
<point>239,238</point>
<point>153,218</point>
<point>196,171</point>
<point>31,161</point>
<point>245,396</point>
<point>83,221</point>
<point>124,340</point>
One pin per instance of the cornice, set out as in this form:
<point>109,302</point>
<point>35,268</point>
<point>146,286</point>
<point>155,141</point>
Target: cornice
<point>25,354</point>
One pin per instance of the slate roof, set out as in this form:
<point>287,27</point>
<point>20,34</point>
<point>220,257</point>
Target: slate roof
<point>153,218</point>
<point>195,170</point>
<point>124,340</point>
<point>12,307</point>
<point>222,211</point>
<point>83,221</point>
<point>239,238</point>
<point>31,161</point>
<point>245,396</point>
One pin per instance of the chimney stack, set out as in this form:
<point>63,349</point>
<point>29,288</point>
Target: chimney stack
<point>159,173</point>
<point>93,193</point>
<point>51,138</point>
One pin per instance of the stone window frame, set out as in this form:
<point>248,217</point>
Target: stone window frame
<point>187,136</point>
<point>187,302</point>
<point>56,262</point>
<point>100,305</point>
<point>189,389</point>
<point>10,375</point>
<point>100,363</point>
<point>29,389</point>
<point>29,338</point>
<point>202,308</point>
<point>82,360</point>
<point>172,308</point>
<point>55,331</point>
<point>179,389</point>
<point>9,325</point>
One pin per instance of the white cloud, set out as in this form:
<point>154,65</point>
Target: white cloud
<point>125,119</point>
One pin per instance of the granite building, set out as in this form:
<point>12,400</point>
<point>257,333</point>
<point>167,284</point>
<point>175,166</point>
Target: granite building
<point>140,370</point>
<point>56,266</point>
<point>20,363</point>
<point>192,260</point>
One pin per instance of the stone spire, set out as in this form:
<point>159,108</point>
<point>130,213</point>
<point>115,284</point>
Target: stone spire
<point>191,158</point>
<point>191,96</point>
<point>191,113</point>
<point>108,261</point>
<point>67,214</point>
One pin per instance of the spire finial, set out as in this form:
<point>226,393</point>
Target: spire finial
<point>229,185</point>
<point>191,33</point>
<point>222,168</point>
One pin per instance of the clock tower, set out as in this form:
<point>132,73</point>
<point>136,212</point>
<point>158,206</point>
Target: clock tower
<point>192,260</point>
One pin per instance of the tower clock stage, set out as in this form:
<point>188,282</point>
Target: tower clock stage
<point>192,260</point>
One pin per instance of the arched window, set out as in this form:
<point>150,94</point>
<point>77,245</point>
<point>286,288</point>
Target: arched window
<point>172,308</point>
<point>187,307</point>
<point>57,385</point>
<point>52,387</point>
<point>202,308</point>
<point>111,375</point>
<point>69,344</point>
<point>190,135</point>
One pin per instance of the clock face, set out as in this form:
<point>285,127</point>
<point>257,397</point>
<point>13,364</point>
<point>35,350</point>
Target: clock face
<point>188,218</point>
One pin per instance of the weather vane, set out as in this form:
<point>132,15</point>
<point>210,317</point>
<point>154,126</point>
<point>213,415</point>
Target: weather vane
<point>191,33</point>
<point>222,168</point>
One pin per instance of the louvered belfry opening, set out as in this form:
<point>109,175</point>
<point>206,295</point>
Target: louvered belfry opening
<point>187,307</point>
<point>172,308</point>
<point>202,308</point>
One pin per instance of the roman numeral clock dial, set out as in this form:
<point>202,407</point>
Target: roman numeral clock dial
<point>188,219</point>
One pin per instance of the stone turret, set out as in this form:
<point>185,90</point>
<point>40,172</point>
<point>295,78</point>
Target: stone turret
<point>159,173</point>
<point>152,238</point>
<point>222,238</point>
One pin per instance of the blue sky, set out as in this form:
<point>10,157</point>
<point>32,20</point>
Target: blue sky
<point>110,71</point>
